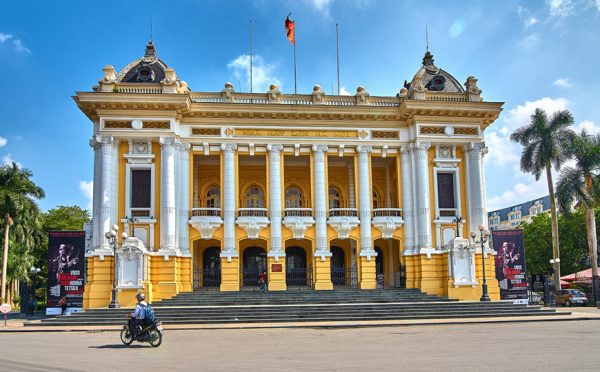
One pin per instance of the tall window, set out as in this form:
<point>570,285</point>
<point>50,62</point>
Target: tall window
<point>445,185</point>
<point>293,198</point>
<point>141,189</point>
<point>376,201</point>
<point>213,197</point>
<point>335,197</point>
<point>255,198</point>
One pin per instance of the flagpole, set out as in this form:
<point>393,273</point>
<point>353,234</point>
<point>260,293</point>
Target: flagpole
<point>337,51</point>
<point>250,55</point>
<point>295,86</point>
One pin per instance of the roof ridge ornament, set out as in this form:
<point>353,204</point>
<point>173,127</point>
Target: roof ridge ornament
<point>428,62</point>
<point>150,54</point>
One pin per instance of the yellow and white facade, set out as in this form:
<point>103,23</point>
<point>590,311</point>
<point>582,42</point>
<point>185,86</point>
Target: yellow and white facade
<point>319,191</point>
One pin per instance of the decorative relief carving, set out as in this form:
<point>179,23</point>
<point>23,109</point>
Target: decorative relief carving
<point>432,130</point>
<point>384,134</point>
<point>157,124</point>
<point>206,131</point>
<point>466,131</point>
<point>117,124</point>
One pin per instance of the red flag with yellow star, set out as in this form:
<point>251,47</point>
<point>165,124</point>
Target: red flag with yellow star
<point>290,27</point>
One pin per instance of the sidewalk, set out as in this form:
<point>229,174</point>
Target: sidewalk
<point>583,313</point>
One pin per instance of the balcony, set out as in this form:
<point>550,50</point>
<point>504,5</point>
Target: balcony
<point>141,212</point>
<point>447,213</point>
<point>298,220</point>
<point>343,220</point>
<point>387,220</point>
<point>206,221</point>
<point>252,220</point>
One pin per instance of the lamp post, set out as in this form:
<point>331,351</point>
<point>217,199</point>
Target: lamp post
<point>34,272</point>
<point>111,236</point>
<point>483,238</point>
<point>555,262</point>
<point>458,220</point>
<point>132,221</point>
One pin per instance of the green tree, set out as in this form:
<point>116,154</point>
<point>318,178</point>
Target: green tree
<point>18,210</point>
<point>543,141</point>
<point>579,185</point>
<point>65,218</point>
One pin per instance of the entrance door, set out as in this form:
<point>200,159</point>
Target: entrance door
<point>338,266</point>
<point>211,267</point>
<point>255,263</point>
<point>295,267</point>
<point>379,268</point>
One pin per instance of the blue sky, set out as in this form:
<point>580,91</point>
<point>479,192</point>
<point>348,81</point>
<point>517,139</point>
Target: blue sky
<point>525,53</point>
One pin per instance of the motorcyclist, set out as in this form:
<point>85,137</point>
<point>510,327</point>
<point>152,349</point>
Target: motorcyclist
<point>137,317</point>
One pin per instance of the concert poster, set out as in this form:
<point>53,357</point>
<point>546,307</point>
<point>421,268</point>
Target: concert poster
<point>510,264</point>
<point>66,272</point>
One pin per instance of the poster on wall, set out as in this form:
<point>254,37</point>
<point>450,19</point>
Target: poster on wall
<point>510,264</point>
<point>66,270</point>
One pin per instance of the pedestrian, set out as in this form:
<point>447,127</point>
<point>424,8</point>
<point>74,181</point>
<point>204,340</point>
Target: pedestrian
<point>262,281</point>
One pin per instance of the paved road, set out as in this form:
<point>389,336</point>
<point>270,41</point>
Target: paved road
<point>547,346</point>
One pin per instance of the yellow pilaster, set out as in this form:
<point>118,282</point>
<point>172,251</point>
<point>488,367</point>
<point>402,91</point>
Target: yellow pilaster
<point>184,268</point>
<point>323,274</point>
<point>411,271</point>
<point>97,292</point>
<point>165,277</point>
<point>433,271</point>
<point>230,274</point>
<point>368,278</point>
<point>276,278</point>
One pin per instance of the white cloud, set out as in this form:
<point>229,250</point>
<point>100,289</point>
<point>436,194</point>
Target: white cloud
<point>589,126</point>
<point>521,11</point>
<point>344,92</point>
<point>521,115</point>
<point>457,28</point>
<point>561,8</point>
<point>530,41</point>
<point>501,150</point>
<point>530,22</point>
<point>3,141</point>
<point>519,193</point>
<point>322,6</point>
<point>19,47</point>
<point>87,188</point>
<point>8,160</point>
<point>262,72</point>
<point>598,5</point>
<point>562,82</point>
<point>4,37</point>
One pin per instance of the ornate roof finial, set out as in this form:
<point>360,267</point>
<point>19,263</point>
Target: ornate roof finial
<point>428,59</point>
<point>150,50</point>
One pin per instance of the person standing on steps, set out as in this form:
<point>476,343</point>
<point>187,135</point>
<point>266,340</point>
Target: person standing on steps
<point>262,281</point>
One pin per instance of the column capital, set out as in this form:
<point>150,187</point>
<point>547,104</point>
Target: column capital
<point>420,146</point>
<point>103,140</point>
<point>228,147</point>
<point>364,149</point>
<point>184,147</point>
<point>275,148</point>
<point>320,148</point>
<point>167,141</point>
<point>477,146</point>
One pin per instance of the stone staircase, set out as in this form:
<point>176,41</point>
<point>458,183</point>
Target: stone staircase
<point>213,307</point>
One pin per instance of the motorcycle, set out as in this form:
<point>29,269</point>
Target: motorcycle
<point>153,333</point>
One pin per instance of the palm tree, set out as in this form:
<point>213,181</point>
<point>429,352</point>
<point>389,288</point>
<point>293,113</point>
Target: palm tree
<point>543,141</point>
<point>580,185</point>
<point>18,209</point>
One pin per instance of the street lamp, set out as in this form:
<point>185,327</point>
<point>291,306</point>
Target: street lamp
<point>458,220</point>
<point>34,271</point>
<point>132,221</point>
<point>483,238</point>
<point>111,236</point>
<point>554,261</point>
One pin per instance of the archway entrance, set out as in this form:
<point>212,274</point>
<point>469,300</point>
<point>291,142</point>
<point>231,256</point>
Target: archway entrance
<point>379,268</point>
<point>339,270</point>
<point>254,264</point>
<point>296,269</point>
<point>211,267</point>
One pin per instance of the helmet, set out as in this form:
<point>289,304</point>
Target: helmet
<point>140,297</point>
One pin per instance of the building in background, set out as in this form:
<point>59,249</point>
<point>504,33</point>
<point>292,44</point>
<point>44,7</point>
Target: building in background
<point>318,191</point>
<point>511,217</point>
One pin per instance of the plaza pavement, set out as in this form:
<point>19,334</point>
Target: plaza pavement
<point>512,346</point>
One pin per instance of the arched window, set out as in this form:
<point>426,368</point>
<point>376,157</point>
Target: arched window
<point>213,197</point>
<point>255,198</point>
<point>335,197</point>
<point>293,198</point>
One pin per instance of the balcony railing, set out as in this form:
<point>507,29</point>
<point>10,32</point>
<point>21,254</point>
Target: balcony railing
<point>292,99</point>
<point>343,212</point>
<point>298,212</point>
<point>140,212</point>
<point>448,212</point>
<point>206,212</point>
<point>252,212</point>
<point>387,212</point>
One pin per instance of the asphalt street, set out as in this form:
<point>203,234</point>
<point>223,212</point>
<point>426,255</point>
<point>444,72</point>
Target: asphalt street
<point>536,346</point>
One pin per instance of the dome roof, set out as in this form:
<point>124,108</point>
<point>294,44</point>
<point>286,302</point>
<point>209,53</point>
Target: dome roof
<point>148,69</point>
<point>435,79</point>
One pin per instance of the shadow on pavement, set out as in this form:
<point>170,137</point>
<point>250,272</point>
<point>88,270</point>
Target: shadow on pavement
<point>119,346</point>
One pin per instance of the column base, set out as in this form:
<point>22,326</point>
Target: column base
<point>368,278</point>
<point>322,274</point>
<point>230,274</point>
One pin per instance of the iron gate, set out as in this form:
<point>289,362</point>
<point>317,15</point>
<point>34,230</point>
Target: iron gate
<point>343,277</point>
<point>299,278</point>
<point>207,278</point>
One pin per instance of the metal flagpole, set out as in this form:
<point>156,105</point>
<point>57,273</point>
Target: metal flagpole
<point>295,86</point>
<point>337,50</point>
<point>250,55</point>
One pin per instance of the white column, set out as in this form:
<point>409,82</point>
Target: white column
<point>275,207</point>
<point>196,195</point>
<point>115,182</point>
<point>364,200</point>
<point>183,196</point>
<point>422,192</point>
<point>105,188</point>
<point>476,190</point>
<point>229,249</point>
<point>319,152</point>
<point>408,212</point>
<point>96,235</point>
<point>167,195</point>
<point>351,192</point>
<point>388,186</point>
